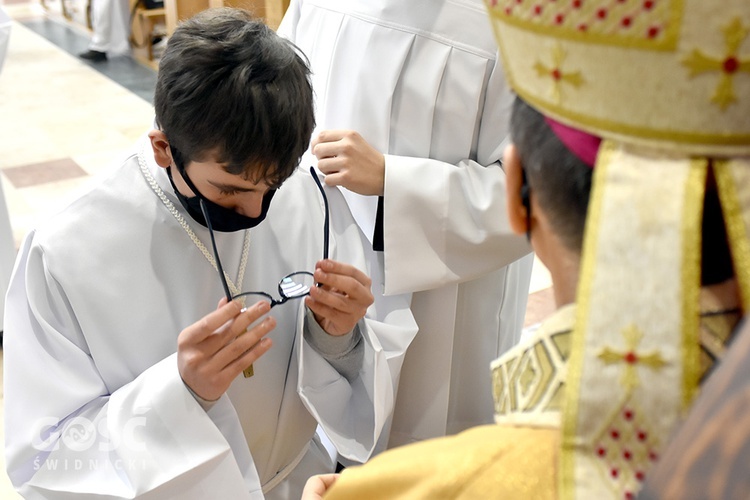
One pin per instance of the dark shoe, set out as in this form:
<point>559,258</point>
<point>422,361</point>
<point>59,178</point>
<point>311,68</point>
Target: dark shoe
<point>93,56</point>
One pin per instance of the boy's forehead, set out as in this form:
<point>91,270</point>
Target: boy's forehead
<point>229,174</point>
<point>247,170</point>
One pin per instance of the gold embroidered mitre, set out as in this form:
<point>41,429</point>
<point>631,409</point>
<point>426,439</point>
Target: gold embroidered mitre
<point>666,84</point>
<point>674,73</point>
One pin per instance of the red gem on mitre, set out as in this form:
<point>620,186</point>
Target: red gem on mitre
<point>648,4</point>
<point>731,65</point>
<point>577,4</point>
<point>555,73</point>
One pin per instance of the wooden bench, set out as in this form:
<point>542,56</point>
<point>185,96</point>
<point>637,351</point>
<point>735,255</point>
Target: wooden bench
<point>143,28</point>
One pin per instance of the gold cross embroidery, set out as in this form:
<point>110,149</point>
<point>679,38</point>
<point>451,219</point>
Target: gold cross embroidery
<point>631,357</point>
<point>698,62</point>
<point>556,73</point>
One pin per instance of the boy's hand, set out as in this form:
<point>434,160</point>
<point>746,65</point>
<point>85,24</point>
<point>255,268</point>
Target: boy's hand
<point>215,349</point>
<point>350,161</point>
<point>316,486</point>
<point>343,298</point>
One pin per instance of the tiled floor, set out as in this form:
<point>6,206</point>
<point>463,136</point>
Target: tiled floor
<point>67,121</point>
<point>64,120</point>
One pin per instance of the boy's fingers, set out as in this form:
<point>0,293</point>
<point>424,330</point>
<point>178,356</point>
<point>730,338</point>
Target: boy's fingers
<point>207,325</point>
<point>249,356</point>
<point>334,267</point>
<point>249,316</point>
<point>331,135</point>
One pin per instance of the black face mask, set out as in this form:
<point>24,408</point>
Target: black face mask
<point>222,219</point>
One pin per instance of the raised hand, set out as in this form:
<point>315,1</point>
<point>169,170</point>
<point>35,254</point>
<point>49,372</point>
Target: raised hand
<point>214,350</point>
<point>343,298</point>
<point>348,160</point>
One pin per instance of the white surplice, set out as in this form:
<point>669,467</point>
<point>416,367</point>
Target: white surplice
<point>419,80</point>
<point>94,402</point>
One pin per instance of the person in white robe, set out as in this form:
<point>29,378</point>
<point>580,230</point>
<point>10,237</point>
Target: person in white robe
<point>110,22</point>
<point>412,110</point>
<point>122,377</point>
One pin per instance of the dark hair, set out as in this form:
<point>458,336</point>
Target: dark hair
<point>230,87</point>
<point>560,180</point>
<point>562,183</point>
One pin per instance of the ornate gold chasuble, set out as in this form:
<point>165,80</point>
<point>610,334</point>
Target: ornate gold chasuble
<point>529,379</point>
<point>519,456</point>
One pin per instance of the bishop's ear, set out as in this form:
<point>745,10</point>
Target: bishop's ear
<point>160,147</point>
<point>518,211</point>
